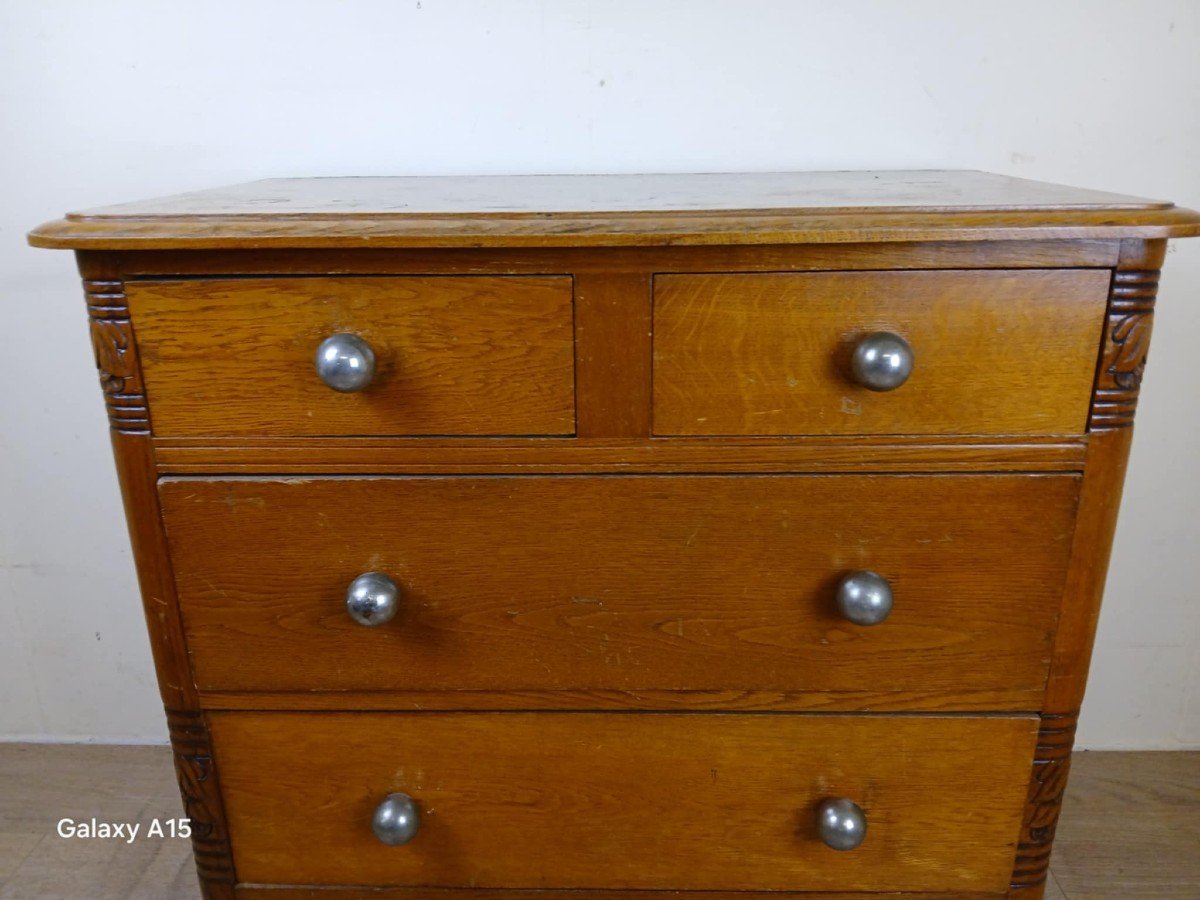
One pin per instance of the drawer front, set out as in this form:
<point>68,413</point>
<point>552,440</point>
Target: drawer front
<point>993,352</point>
<point>700,583</point>
<point>453,355</point>
<point>641,800</point>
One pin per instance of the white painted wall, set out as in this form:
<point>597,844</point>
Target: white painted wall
<point>104,102</point>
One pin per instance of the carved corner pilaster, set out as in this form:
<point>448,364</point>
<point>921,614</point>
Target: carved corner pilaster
<point>116,356</point>
<point>1043,803</point>
<point>202,804</point>
<point>1126,343</point>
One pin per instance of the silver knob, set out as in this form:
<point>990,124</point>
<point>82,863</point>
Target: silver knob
<point>841,823</point>
<point>397,819</point>
<point>882,361</point>
<point>345,362</point>
<point>864,597</point>
<point>372,599</point>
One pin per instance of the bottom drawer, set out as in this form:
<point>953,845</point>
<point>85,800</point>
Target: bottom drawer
<point>625,800</point>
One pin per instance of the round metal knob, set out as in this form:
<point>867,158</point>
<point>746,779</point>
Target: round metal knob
<point>841,823</point>
<point>882,361</point>
<point>864,597</point>
<point>372,599</point>
<point>345,362</point>
<point>397,819</point>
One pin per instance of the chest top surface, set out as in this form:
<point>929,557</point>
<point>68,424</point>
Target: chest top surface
<point>618,210</point>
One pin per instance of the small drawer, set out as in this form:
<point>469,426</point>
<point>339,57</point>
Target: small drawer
<point>988,352</point>
<point>627,583</point>
<point>651,801</point>
<point>452,355</point>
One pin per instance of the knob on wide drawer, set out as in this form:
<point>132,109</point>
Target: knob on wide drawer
<point>882,361</point>
<point>372,599</point>
<point>397,819</point>
<point>345,362</point>
<point>841,823</point>
<point>864,597</point>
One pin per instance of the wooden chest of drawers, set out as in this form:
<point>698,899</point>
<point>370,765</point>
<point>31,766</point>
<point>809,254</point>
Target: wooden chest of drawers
<point>614,535</point>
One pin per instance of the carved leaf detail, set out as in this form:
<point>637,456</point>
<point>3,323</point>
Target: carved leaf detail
<point>111,344</point>
<point>1131,339</point>
<point>116,357</point>
<point>1130,318</point>
<point>1043,803</point>
<point>201,796</point>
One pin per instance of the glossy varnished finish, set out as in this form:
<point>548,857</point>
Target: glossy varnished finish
<point>588,799</point>
<point>999,352</point>
<point>476,355</point>
<point>637,459</point>
<point>625,583</point>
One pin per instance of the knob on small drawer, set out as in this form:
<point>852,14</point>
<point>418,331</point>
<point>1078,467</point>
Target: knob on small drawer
<point>345,362</point>
<point>841,823</point>
<point>882,361</point>
<point>397,819</point>
<point>864,597</point>
<point>372,599</point>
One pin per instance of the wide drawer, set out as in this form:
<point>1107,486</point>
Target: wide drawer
<point>634,800</point>
<point>454,355</point>
<point>993,352</point>
<point>685,583</point>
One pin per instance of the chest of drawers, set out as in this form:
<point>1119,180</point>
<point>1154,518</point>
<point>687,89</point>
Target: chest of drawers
<point>620,535</point>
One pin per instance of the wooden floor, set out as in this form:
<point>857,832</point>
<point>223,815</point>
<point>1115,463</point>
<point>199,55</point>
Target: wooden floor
<point>1130,827</point>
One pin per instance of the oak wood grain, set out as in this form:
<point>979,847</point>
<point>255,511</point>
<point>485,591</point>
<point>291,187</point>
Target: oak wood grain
<point>996,352</point>
<point>884,699</point>
<point>1118,378</point>
<point>347,199</point>
<point>472,355</point>
<point>289,892</point>
<point>680,229</point>
<point>599,210</point>
<point>1108,453</point>
<point>1130,824</point>
<point>133,454</point>
<point>1100,500</point>
<point>652,623</point>
<point>1024,254</point>
<point>622,583</point>
<point>859,453</point>
<point>584,800</point>
<point>121,379</point>
<point>612,354</point>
